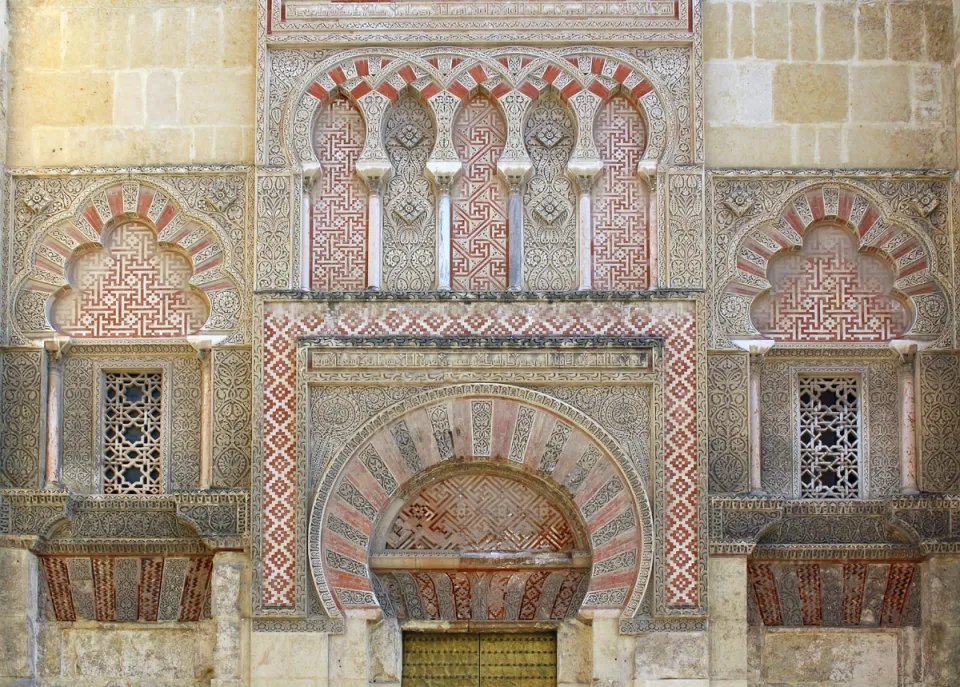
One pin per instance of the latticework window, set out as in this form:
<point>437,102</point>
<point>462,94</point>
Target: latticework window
<point>132,422</point>
<point>829,437</point>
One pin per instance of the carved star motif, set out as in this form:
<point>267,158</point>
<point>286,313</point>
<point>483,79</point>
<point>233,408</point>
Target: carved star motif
<point>924,203</point>
<point>550,135</point>
<point>221,195</point>
<point>38,201</point>
<point>738,202</point>
<point>549,210</point>
<point>408,211</point>
<point>408,136</point>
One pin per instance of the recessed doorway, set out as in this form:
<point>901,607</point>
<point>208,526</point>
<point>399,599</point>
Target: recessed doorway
<point>484,659</point>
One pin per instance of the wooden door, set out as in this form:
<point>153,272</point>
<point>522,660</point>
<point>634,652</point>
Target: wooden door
<point>435,659</point>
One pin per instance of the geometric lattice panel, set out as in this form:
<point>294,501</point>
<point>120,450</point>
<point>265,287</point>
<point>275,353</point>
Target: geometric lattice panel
<point>339,223</point>
<point>828,292</point>
<point>620,250</point>
<point>479,225</point>
<point>131,288</point>
<point>829,434</point>
<point>480,513</point>
<point>132,432</point>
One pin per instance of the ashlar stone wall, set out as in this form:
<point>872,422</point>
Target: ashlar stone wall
<point>131,82</point>
<point>829,84</point>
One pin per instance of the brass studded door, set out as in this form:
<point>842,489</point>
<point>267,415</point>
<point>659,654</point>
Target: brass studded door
<point>433,659</point>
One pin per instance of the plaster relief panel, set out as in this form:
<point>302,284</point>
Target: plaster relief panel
<point>409,232</point>
<point>549,200</point>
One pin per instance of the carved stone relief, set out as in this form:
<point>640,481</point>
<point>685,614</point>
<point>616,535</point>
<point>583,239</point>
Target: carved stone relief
<point>409,230</point>
<point>939,422</point>
<point>21,418</point>
<point>729,443</point>
<point>879,433</point>
<point>549,200</point>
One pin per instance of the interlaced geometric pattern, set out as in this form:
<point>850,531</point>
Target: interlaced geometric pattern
<point>829,437</point>
<point>284,323</point>
<point>132,420</point>
<point>620,238</point>
<point>479,224</point>
<point>338,239</point>
<point>828,292</point>
<point>130,288</point>
<point>480,513</point>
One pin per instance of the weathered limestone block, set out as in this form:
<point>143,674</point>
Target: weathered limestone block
<point>940,596</point>
<point>574,654</point>
<point>386,652</point>
<point>348,653</point>
<point>728,617</point>
<point>18,613</point>
<point>160,654</point>
<point>289,657</point>
<point>672,655</point>
<point>612,654</point>
<point>229,589</point>
<point>844,658</point>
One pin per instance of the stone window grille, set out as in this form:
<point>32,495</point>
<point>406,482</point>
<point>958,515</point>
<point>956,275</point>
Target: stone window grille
<point>132,433</point>
<point>829,437</point>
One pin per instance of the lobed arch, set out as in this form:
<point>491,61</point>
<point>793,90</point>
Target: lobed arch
<point>482,427</point>
<point>876,232</point>
<point>512,76</point>
<point>83,227</point>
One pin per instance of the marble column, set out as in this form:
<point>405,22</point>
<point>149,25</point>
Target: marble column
<point>444,173</point>
<point>757,348</point>
<point>585,171</point>
<point>648,172</point>
<point>311,174</point>
<point>206,418</point>
<point>907,351</point>
<point>374,173</point>
<point>55,348</point>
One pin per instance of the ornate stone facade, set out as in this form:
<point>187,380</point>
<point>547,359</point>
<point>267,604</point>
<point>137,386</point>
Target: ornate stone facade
<point>481,333</point>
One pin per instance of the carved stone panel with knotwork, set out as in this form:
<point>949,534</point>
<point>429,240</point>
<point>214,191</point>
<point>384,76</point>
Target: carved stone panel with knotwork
<point>479,224</point>
<point>409,230</point>
<point>338,223</point>
<point>549,201</point>
<point>480,513</point>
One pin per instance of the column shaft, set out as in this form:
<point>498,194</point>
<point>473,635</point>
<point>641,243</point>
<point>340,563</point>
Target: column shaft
<point>515,238</point>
